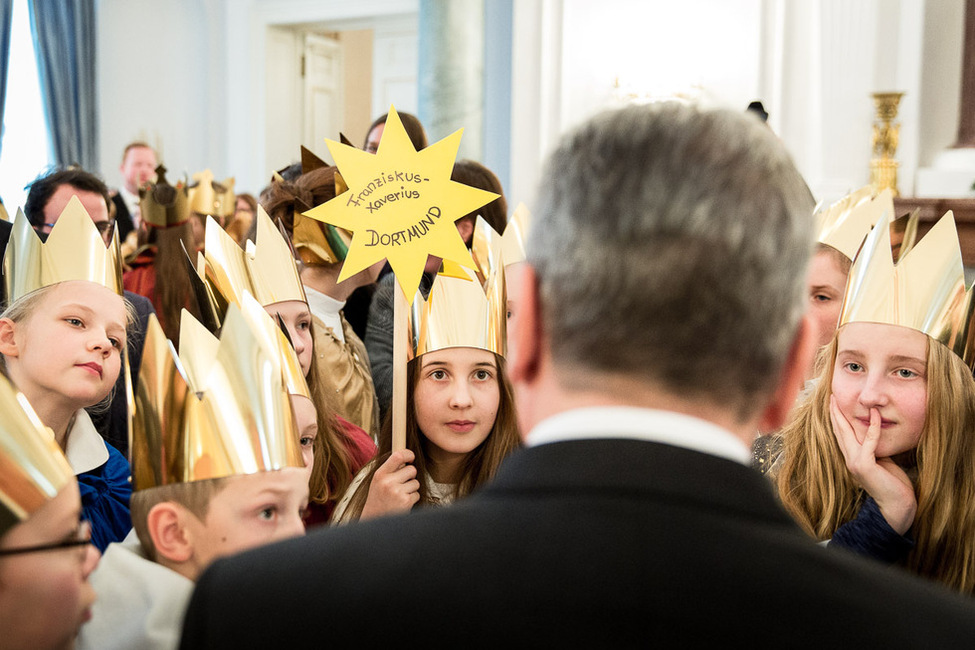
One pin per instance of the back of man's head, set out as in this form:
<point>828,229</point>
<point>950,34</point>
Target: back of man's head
<point>42,189</point>
<point>670,246</point>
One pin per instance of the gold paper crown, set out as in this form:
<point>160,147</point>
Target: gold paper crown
<point>32,467</point>
<point>465,312</point>
<point>317,242</point>
<point>924,290</point>
<point>846,223</point>
<point>267,270</point>
<point>163,205</point>
<point>209,197</point>
<point>515,234</point>
<point>202,345</point>
<point>237,421</point>
<point>74,250</point>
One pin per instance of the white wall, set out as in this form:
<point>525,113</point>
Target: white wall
<point>189,75</point>
<point>155,82</point>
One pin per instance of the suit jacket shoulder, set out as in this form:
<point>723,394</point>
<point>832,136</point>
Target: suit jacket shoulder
<point>588,543</point>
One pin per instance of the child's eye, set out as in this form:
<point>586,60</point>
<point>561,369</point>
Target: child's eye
<point>438,374</point>
<point>74,321</point>
<point>904,373</point>
<point>854,367</point>
<point>482,375</point>
<point>303,325</point>
<point>306,441</point>
<point>268,513</point>
<point>821,297</point>
<point>116,343</point>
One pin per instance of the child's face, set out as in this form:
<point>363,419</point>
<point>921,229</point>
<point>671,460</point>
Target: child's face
<point>44,595</point>
<point>306,419</point>
<point>882,367</point>
<point>250,511</point>
<point>456,400</point>
<point>826,284</point>
<point>297,318</point>
<point>70,345</point>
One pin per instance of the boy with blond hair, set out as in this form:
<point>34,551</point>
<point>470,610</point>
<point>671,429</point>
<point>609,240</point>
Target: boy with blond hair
<point>208,481</point>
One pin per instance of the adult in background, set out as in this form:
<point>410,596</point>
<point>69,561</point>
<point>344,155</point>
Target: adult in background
<point>137,168</point>
<point>657,324</point>
<point>46,199</point>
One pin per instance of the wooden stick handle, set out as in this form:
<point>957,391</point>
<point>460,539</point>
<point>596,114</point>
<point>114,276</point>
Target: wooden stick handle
<point>401,312</point>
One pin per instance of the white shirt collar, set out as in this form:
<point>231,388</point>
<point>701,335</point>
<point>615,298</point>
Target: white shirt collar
<point>327,310</point>
<point>85,449</point>
<point>322,305</point>
<point>632,423</point>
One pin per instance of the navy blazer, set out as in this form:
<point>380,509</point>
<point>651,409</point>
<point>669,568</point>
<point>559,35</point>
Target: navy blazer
<point>596,543</point>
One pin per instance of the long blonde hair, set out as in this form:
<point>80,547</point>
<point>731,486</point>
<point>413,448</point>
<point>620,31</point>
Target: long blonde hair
<point>816,487</point>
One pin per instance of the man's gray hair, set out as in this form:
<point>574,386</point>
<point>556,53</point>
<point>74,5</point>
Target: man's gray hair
<point>671,245</point>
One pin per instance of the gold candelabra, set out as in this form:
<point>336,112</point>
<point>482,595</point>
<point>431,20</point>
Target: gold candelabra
<point>886,133</point>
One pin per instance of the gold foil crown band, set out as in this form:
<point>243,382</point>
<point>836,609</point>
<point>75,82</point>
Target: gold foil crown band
<point>925,290</point>
<point>468,312</point>
<point>267,270</point>
<point>846,223</point>
<point>163,205</point>
<point>32,467</point>
<point>210,197</point>
<point>218,409</point>
<point>74,250</point>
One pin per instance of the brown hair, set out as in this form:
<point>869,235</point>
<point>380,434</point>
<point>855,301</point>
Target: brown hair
<point>473,173</point>
<point>411,124</point>
<point>172,281</point>
<point>138,144</point>
<point>480,465</point>
<point>821,494</point>
<point>332,468</point>
<point>194,496</point>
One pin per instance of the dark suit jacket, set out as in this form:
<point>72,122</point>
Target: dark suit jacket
<point>123,220</point>
<point>589,543</point>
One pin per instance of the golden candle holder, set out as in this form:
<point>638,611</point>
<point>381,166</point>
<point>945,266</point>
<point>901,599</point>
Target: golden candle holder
<point>886,134</point>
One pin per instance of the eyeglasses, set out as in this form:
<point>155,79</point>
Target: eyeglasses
<point>102,226</point>
<point>81,537</point>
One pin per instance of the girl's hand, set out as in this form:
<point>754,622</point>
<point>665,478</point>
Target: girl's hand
<point>882,478</point>
<point>394,487</point>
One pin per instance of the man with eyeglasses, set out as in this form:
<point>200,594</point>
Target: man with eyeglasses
<point>49,194</point>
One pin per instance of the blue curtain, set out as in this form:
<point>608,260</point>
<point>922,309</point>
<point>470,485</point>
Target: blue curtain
<point>64,38</point>
<point>6,12</point>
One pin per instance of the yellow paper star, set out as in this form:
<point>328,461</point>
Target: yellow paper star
<point>401,204</point>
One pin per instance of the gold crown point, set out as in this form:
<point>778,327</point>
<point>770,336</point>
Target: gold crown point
<point>74,250</point>
<point>34,468</point>
<point>516,234</point>
<point>233,418</point>
<point>266,269</point>
<point>844,224</point>
<point>924,291</point>
<point>164,205</point>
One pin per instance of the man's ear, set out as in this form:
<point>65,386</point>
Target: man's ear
<point>796,369</point>
<point>8,343</point>
<point>524,325</point>
<point>166,524</point>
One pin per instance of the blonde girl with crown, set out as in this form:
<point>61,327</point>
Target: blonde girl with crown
<point>335,449</point>
<point>62,338</point>
<point>460,412</point>
<point>881,458</point>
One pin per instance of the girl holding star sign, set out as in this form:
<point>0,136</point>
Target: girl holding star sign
<point>459,420</point>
